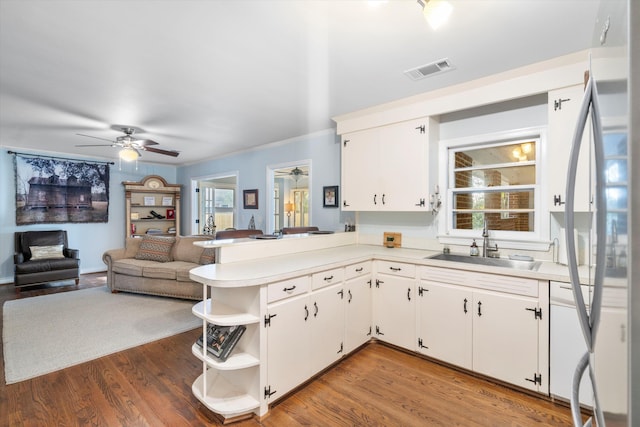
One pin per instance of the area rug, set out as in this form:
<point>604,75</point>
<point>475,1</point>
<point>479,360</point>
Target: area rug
<point>51,332</point>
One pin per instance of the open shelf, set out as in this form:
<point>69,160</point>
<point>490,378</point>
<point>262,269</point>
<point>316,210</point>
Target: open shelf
<point>235,361</point>
<point>222,397</point>
<point>222,314</point>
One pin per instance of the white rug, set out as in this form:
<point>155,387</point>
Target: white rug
<point>51,332</point>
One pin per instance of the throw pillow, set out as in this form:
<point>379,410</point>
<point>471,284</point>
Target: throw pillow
<point>155,248</point>
<point>46,252</point>
<point>208,256</point>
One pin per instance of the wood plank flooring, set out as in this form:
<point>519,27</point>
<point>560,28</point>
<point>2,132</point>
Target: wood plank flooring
<point>150,385</point>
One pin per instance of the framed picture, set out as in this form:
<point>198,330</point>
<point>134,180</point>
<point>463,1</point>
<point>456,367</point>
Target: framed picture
<point>250,199</point>
<point>171,214</point>
<point>149,200</point>
<point>167,201</point>
<point>135,215</point>
<point>330,197</point>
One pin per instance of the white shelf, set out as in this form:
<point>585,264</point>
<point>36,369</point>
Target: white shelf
<point>222,397</point>
<point>222,314</point>
<point>235,361</point>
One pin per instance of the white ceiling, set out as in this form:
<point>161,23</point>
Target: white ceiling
<point>208,78</point>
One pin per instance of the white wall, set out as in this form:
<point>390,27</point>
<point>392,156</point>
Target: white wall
<point>90,239</point>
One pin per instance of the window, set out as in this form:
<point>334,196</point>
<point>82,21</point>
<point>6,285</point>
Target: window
<point>496,181</point>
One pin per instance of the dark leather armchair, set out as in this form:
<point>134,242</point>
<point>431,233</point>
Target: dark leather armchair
<point>298,230</point>
<point>30,271</point>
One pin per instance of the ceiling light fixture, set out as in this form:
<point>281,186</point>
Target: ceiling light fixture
<point>128,154</point>
<point>436,12</point>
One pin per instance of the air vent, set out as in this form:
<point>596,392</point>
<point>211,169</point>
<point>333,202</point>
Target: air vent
<point>439,66</point>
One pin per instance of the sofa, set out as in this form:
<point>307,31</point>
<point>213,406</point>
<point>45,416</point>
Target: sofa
<point>44,257</point>
<point>157,265</point>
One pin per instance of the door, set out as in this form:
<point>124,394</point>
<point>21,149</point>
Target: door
<point>445,323</point>
<point>327,327</point>
<point>288,344</point>
<point>395,310</point>
<point>505,338</point>
<point>358,312</point>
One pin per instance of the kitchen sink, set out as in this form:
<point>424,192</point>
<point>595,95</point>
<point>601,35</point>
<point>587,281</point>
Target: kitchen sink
<point>493,262</point>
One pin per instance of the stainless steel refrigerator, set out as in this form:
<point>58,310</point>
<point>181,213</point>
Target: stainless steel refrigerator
<point>608,307</point>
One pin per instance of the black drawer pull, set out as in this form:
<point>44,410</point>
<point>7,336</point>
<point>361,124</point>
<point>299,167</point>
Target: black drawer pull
<point>328,278</point>
<point>289,289</point>
<point>395,268</point>
<point>358,270</point>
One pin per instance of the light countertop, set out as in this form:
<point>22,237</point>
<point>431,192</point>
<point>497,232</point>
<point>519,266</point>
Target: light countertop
<point>282,267</point>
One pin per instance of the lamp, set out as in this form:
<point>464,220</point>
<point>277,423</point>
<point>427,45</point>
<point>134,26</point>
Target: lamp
<point>436,12</point>
<point>288,208</point>
<point>128,154</point>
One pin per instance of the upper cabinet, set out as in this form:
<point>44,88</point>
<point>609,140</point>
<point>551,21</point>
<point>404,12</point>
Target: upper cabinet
<point>387,168</point>
<point>152,206</point>
<point>564,106</point>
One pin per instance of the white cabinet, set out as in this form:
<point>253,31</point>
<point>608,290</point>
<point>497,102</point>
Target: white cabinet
<point>505,338</point>
<point>394,304</point>
<point>563,108</point>
<point>479,322</point>
<point>305,332</point>
<point>358,305</point>
<point>445,323</point>
<point>387,168</point>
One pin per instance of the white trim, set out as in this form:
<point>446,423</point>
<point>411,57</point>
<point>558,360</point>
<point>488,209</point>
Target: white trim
<point>506,239</point>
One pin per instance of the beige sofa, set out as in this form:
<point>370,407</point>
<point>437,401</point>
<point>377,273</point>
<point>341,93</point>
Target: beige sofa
<point>157,266</point>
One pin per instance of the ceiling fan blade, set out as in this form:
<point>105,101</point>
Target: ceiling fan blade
<point>159,151</point>
<point>95,145</point>
<point>144,142</point>
<point>96,137</point>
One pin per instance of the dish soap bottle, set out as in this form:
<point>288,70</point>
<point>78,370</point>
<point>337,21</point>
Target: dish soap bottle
<point>474,249</point>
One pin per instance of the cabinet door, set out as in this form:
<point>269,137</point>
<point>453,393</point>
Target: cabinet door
<point>360,170</point>
<point>395,310</point>
<point>404,166</point>
<point>288,340</point>
<point>505,338</point>
<point>611,360</point>
<point>358,307</point>
<point>563,107</point>
<point>327,327</point>
<point>445,319</point>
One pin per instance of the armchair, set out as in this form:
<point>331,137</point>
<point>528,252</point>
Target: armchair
<point>44,257</point>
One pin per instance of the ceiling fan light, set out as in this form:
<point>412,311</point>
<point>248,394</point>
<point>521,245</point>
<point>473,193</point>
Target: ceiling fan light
<point>436,12</point>
<point>128,154</point>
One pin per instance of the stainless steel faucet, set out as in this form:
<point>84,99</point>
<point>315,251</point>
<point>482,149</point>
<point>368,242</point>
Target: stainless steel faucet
<point>485,242</point>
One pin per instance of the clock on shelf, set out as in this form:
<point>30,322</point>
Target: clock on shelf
<point>152,207</point>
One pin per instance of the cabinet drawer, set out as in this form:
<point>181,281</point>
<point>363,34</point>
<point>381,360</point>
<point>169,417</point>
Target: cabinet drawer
<point>326,278</point>
<point>355,270</point>
<point>287,288</point>
<point>397,268</point>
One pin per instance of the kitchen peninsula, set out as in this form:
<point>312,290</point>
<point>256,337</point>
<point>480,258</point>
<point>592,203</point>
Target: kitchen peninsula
<point>310,300</point>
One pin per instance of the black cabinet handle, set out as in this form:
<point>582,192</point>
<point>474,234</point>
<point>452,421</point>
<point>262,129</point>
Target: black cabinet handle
<point>358,270</point>
<point>479,308</point>
<point>306,313</point>
<point>350,296</point>
<point>465,306</point>
<point>395,268</point>
<point>315,305</point>
<point>409,294</point>
<point>328,278</point>
<point>289,289</point>
<point>375,196</point>
<point>383,199</point>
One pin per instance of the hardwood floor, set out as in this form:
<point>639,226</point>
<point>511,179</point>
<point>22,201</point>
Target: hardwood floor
<point>150,385</point>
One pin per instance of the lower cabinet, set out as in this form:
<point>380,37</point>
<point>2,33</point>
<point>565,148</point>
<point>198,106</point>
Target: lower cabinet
<point>493,333</point>
<point>357,303</point>
<point>305,334</point>
<point>394,304</point>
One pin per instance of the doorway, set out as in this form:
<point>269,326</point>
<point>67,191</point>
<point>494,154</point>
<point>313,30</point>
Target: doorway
<point>214,204</point>
<point>290,187</point>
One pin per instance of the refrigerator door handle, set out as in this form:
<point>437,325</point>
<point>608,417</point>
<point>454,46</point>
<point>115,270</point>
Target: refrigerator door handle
<point>588,322</point>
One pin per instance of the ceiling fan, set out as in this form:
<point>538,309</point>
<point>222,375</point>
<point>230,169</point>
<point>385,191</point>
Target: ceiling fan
<point>130,146</point>
<point>295,173</point>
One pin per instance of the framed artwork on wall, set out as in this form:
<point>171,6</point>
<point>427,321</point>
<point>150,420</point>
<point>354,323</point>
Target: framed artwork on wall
<point>330,197</point>
<point>250,199</point>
